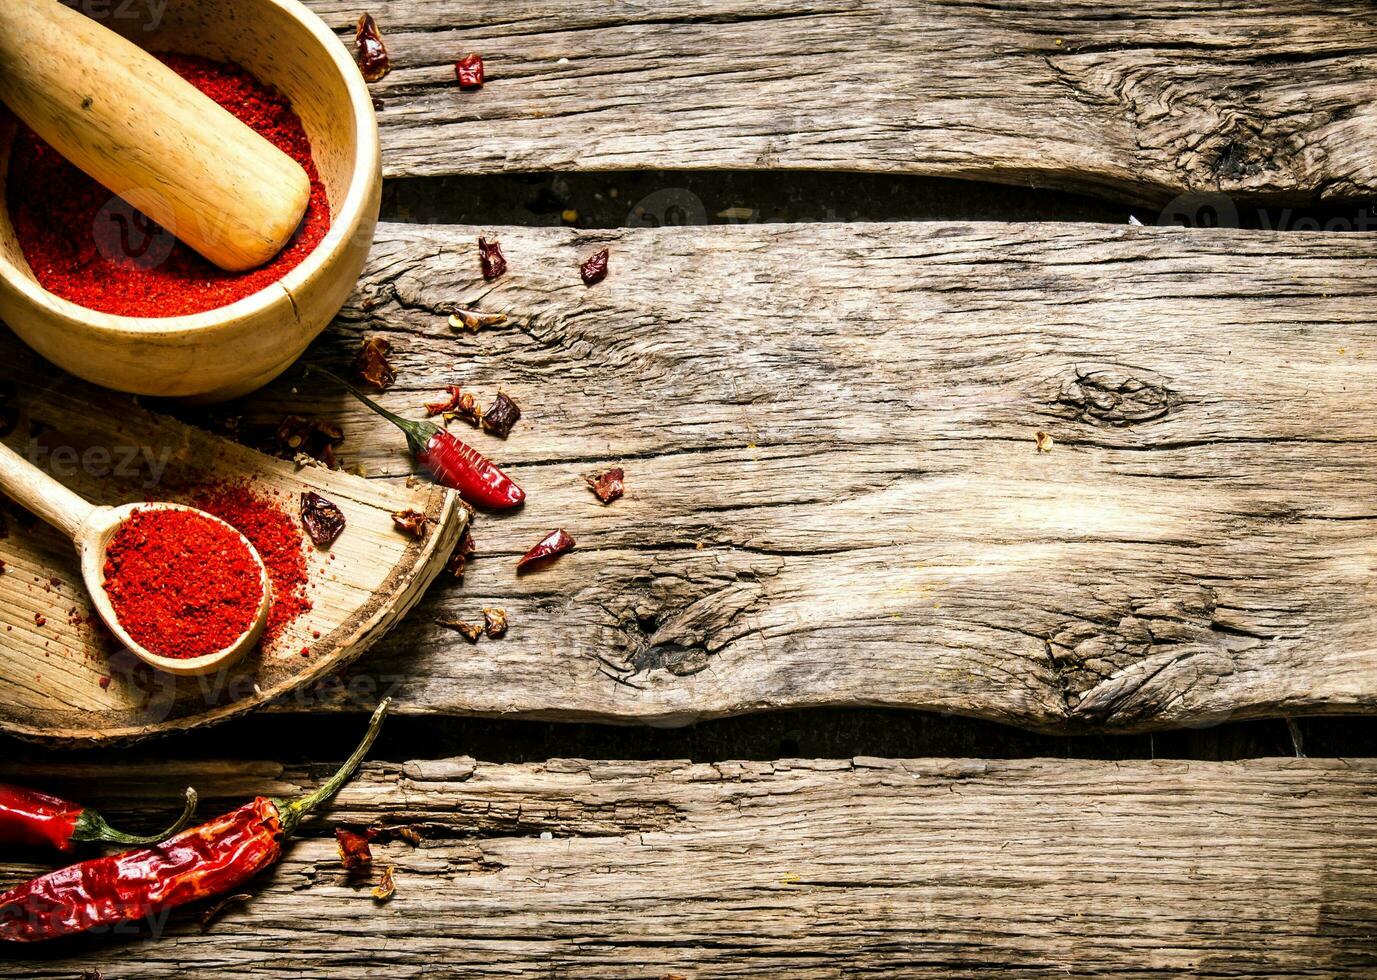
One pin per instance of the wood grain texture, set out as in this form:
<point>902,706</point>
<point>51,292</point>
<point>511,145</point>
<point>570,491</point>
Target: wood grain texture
<point>783,869</point>
<point>1140,101</point>
<point>834,492</point>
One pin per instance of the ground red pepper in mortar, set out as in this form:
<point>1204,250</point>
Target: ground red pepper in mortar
<point>277,537</point>
<point>94,250</point>
<point>181,585</point>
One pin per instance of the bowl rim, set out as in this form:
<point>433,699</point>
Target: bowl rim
<point>349,217</point>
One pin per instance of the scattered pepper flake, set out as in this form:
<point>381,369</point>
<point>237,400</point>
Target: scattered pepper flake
<point>370,52</point>
<point>469,71</point>
<point>298,437</point>
<point>501,415</point>
<point>608,486</point>
<point>386,887</point>
<point>379,832</point>
<point>213,912</point>
<point>354,852</point>
<point>494,622</point>
<point>371,365</point>
<point>104,682</point>
<point>552,546</point>
<point>475,320</point>
<point>448,405</point>
<point>39,619</point>
<point>459,559</point>
<point>323,520</point>
<point>411,522</point>
<point>594,270</point>
<point>492,260</point>
<point>1044,441</point>
<point>470,631</point>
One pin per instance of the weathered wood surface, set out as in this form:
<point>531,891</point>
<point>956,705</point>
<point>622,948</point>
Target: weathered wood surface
<point>1139,100</point>
<point>834,494</point>
<point>785,869</point>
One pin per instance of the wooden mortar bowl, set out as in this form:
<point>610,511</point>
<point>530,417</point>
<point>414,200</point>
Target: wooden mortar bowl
<point>230,351</point>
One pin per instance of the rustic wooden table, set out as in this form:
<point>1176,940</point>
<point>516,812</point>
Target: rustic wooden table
<point>836,498</point>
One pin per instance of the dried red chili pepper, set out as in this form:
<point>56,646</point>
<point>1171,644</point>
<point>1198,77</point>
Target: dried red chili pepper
<point>469,71</point>
<point>354,852</point>
<point>212,859</point>
<point>323,520</point>
<point>490,257</point>
<point>594,270</point>
<point>387,885</point>
<point>555,544</point>
<point>608,486</point>
<point>501,415</point>
<point>372,366</point>
<point>452,462</point>
<point>372,53</point>
<point>32,818</point>
<point>297,436</point>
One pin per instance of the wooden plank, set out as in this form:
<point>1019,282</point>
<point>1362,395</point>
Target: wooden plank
<point>1139,100</point>
<point>834,491</point>
<point>785,869</point>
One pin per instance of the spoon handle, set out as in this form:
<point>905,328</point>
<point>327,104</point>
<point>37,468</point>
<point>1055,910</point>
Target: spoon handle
<point>37,491</point>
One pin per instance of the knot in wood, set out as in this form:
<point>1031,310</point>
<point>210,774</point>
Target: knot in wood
<point>1111,395</point>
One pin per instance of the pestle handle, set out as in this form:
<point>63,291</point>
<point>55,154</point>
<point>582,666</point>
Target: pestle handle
<point>148,135</point>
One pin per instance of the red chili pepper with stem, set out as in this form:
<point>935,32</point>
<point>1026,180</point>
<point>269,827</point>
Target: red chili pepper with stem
<point>450,460</point>
<point>212,859</point>
<point>37,819</point>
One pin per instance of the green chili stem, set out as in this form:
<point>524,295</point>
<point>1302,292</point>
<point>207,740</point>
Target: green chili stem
<point>294,810</point>
<point>417,433</point>
<point>91,826</point>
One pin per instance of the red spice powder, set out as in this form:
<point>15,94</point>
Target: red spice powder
<point>278,539</point>
<point>94,250</point>
<point>181,585</point>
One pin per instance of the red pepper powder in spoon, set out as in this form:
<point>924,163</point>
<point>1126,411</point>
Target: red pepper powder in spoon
<point>181,585</point>
<point>88,247</point>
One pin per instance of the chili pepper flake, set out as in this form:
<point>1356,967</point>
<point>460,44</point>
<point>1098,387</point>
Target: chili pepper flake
<point>380,832</point>
<point>298,437</point>
<point>494,622</point>
<point>1044,441</point>
<point>354,852</point>
<point>475,320</point>
<point>213,912</point>
<point>448,405</point>
<point>501,415</point>
<point>323,520</point>
<point>594,270</point>
<point>552,546</point>
<point>412,522</point>
<point>608,486</point>
<point>387,885</point>
<point>469,631</point>
<point>371,365</point>
<point>371,53</point>
<point>459,560</point>
<point>469,71</point>
<point>490,257</point>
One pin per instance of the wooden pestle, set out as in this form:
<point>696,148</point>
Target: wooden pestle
<point>149,136</point>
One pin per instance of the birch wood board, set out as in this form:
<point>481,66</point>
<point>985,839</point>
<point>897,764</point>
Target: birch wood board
<point>783,869</point>
<point>63,676</point>
<point>1140,101</point>
<point>834,491</point>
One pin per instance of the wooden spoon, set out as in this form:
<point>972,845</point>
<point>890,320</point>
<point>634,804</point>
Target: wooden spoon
<point>148,135</point>
<point>91,528</point>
